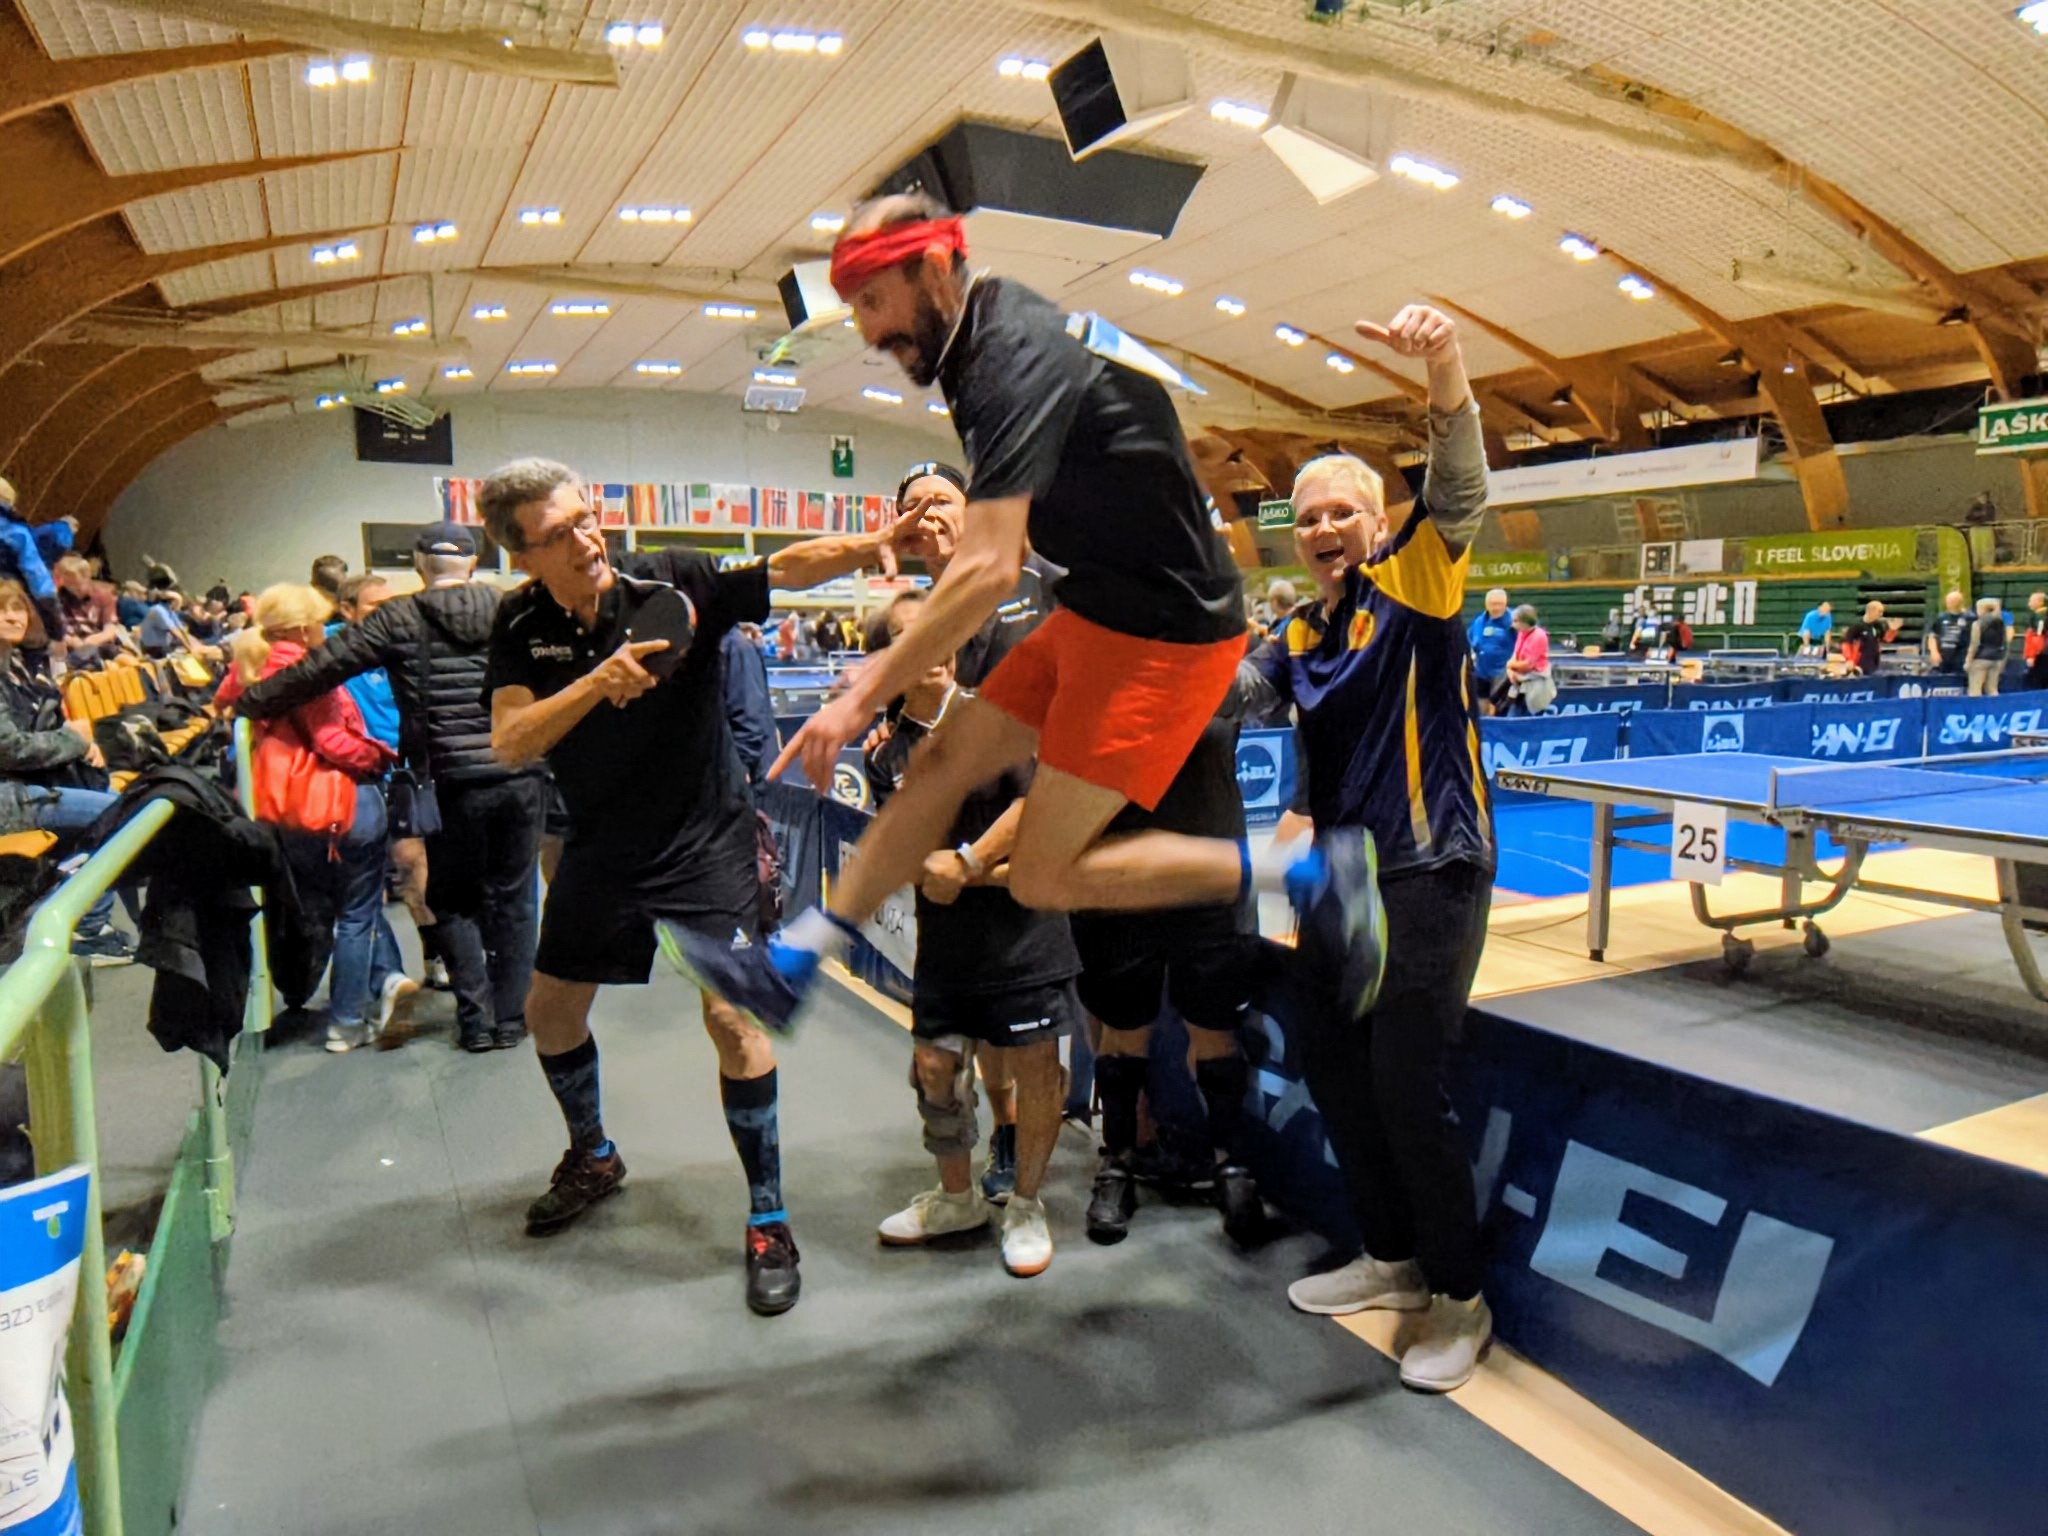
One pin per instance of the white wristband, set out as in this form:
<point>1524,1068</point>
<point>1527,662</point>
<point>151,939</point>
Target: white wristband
<point>975,868</point>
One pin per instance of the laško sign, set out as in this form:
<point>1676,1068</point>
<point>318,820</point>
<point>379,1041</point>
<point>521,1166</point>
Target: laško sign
<point>2016,426</point>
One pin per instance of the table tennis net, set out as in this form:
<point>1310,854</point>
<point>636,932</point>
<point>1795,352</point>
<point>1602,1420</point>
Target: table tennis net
<point>1820,789</point>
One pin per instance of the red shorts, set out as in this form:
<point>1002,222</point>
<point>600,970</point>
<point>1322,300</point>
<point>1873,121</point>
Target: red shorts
<point>1113,710</point>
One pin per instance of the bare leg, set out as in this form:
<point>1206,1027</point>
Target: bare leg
<point>558,1013</point>
<point>977,742</point>
<point>550,857</point>
<point>1035,1072</point>
<point>997,1086</point>
<point>409,857</point>
<point>743,1051</point>
<point>1062,863</point>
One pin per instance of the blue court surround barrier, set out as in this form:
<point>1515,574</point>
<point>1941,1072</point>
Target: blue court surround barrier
<point>1835,1323</point>
<point>1599,701</point>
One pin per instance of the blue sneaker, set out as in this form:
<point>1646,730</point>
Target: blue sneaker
<point>1342,926</point>
<point>766,982</point>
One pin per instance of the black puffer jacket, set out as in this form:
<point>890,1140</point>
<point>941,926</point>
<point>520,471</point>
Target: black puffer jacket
<point>433,645</point>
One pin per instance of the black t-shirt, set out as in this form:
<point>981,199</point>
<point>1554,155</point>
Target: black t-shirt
<point>1863,644</point>
<point>656,790</point>
<point>984,942</point>
<point>1098,449</point>
<point>1952,635</point>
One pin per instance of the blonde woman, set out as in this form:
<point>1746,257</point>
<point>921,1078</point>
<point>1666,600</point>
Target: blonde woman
<point>290,621</point>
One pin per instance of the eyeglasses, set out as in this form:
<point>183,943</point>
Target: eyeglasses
<point>1332,513</point>
<point>584,522</point>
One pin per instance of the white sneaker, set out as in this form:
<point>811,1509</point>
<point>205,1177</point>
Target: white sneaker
<point>935,1213</point>
<point>1365,1284</point>
<point>1448,1345</point>
<point>1027,1240</point>
<point>394,1009</point>
<point>344,1037</point>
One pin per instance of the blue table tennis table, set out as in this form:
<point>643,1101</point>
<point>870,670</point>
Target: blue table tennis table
<point>1993,804</point>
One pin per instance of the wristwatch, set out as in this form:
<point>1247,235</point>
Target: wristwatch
<point>975,868</point>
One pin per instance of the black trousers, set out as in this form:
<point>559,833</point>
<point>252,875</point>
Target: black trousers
<point>480,888</point>
<point>1379,1082</point>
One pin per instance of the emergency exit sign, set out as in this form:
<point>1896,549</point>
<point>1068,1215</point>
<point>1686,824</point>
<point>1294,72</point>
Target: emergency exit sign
<point>2017,426</point>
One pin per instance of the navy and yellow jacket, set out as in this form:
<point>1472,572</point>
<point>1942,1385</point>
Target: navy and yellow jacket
<point>1385,730</point>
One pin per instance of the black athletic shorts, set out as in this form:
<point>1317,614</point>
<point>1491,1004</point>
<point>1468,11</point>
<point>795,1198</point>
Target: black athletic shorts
<point>555,814</point>
<point>1200,957</point>
<point>1026,1015</point>
<point>595,929</point>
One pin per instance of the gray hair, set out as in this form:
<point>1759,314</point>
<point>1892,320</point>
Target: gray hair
<point>1499,592</point>
<point>1281,593</point>
<point>1526,614</point>
<point>519,484</point>
<point>433,569</point>
<point>1346,471</point>
<point>1987,606</point>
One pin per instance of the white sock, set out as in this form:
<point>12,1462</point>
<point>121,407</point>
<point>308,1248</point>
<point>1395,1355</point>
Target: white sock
<point>1271,863</point>
<point>818,931</point>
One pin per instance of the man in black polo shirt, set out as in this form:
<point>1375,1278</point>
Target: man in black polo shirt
<point>993,980</point>
<point>1948,637</point>
<point>1082,455</point>
<point>616,680</point>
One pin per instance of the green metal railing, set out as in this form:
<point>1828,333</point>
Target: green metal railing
<point>45,1018</point>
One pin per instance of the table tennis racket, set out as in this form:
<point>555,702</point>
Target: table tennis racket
<point>665,614</point>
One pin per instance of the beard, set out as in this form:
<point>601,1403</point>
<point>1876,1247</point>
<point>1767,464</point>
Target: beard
<point>929,330</point>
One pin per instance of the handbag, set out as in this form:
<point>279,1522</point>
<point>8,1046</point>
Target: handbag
<point>1539,692</point>
<point>411,807</point>
<point>298,789</point>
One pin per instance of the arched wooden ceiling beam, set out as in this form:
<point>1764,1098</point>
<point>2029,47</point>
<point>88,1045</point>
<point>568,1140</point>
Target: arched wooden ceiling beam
<point>46,452</point>
<point>1822,484</point>
<point>54,184</point>
<point>1497,416</point>
<point>75,274</point>
<point>248,303</point>
<point>1310,416</point>
<point>110,439</point>
<point>92,508</point>
<point>1609,394</point>
<point>42,384</point>
<point>493,51</point>
<point>30,80</point>
<point>1999,310</point>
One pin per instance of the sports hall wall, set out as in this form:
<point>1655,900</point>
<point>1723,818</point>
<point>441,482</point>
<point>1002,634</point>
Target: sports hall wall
<point>256,504</point>
<point>1891,485</point>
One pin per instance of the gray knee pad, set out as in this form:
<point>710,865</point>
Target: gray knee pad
<point>949,1126</point>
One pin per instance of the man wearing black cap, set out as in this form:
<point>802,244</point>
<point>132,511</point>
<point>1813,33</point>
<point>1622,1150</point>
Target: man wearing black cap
<point>480,856</point>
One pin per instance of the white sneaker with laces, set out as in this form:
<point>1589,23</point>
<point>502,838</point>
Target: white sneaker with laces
<point>935,1213</point>
<point>1448,1345</point>
<point>1365,1284</point>
<point>342,1038</point>
<point>1027,1240</point>
<point>394,1008</point>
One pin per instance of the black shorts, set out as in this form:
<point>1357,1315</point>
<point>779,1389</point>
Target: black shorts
<point>1203,959</point>
<point>1027,1015</point>
<point>594,929</point>
<point>555,822</point>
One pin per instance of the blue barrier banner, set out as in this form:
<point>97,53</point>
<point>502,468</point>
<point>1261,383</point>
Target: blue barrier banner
<point>1546,741</point>
<point>1869,733</point>
<point>1783,730</point>
<point>792,809</point>
<point>1825,1318</point>
<point>1981,725</point>
<point>1265,775</point>
<point>42,1237</point>
<point>1722,695</point>
<point>1836,690</point>
<point>1932,686</point>
<point>884,953</point>
<point>1600,701</point>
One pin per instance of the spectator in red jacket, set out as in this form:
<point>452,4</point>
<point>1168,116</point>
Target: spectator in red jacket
<point>368,992</point>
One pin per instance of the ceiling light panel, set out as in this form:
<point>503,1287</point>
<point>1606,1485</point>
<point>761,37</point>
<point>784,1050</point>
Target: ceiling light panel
<point>488,312</point>
<point>1290,335</point>
<point>458,371</point>
<point>827,223</point>
<point>792,42</point>
<point>439,233</point>
<point>1421,171</point>
<point>391,386</point>
<point>1153,282</point>
<point>647,35</point>
<point>1229,306</point>
<point>730,311</point>
<point>1337,362</point>
<point>655,213</point>
<point>658,370</point>
<point>538,218</point>
<point>1579,248</point>
<point>774,376</point>
<point>580,309</point>
<point>530,368</point>
<point>329,402</point>
<point>1238,115</point>
<point>1017,68</point>
<point>1511,207</point>
<point>2034,16</point>
<point>881,396</point>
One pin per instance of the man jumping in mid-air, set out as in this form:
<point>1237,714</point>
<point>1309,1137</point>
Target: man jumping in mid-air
<point>1086,456</point>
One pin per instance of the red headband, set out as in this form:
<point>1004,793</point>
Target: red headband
<point>857,258</point>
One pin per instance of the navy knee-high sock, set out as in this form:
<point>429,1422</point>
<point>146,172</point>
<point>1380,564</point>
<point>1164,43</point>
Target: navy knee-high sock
<point>573,1077</point>
<point>1223,1081</point>
<point>750,1117</point>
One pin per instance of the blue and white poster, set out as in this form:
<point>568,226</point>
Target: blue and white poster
<point>42,1235</point>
